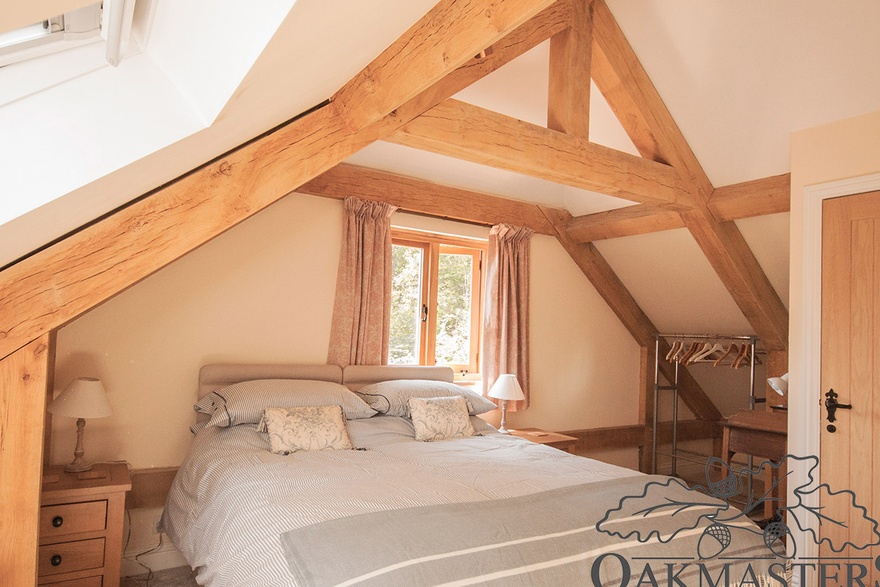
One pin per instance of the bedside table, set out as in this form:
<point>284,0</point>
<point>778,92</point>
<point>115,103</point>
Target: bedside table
<point>81,517</point>
<point>554,439</point>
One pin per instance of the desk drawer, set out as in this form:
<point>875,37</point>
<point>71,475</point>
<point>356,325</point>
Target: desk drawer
<point>66,557</point>
<point>71,518</point>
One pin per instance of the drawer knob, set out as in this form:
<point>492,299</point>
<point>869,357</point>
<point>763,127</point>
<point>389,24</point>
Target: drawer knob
<point>55,560</point>
<point>57,521</point>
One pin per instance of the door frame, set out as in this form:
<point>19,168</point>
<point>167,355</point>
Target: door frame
<point>805,440</point>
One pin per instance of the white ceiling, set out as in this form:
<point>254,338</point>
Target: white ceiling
<point>739,78</point>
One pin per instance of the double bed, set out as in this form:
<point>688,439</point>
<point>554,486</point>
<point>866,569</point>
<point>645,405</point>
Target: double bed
<point>483,509</point>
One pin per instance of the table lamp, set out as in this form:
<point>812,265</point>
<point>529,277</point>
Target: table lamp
<point>83,398</point>
<point>506,388</point>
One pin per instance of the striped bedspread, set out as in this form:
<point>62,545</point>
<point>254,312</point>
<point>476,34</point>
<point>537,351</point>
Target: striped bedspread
<point>548,538</point>
<point>232,499</point>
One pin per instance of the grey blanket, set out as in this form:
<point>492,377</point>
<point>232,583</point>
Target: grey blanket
<point>548,538</point>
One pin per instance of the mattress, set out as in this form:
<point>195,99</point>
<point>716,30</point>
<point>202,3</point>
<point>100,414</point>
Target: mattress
<point>232,498</point>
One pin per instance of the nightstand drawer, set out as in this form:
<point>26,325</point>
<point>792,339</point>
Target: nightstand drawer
<point>71,518</point>
<point>65,557</point>
<point>87,582</point>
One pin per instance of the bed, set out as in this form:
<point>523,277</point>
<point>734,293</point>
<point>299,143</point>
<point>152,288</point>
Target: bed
<point>482,509</point>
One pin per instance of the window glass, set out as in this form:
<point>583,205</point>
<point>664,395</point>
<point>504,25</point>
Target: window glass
<point>406,295</point>
<point>454,293</point>
<point>435,300</point>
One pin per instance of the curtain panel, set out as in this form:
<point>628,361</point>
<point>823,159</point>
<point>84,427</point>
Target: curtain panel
<point>362,309</point>
<point>506,318</point>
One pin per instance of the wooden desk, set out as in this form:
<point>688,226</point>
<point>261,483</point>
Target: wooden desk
<point>760,434</point>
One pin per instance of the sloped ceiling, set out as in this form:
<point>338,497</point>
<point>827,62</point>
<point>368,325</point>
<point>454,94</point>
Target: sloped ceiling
<point>739,78</point>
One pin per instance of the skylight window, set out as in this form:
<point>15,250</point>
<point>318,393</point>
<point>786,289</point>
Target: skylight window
<point>58,33</point>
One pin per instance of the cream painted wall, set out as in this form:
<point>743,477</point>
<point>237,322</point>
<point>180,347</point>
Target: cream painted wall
<point>842,150</point>
<point>264,290</point>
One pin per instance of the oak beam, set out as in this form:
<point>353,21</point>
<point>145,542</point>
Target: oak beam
<point>637,435</point>
<point>454,31</point>
<point>627,221</point>
<point>23,388</point>
<point>568,96</point>
<point>475,134</point>
<point>625,84</point>
<point>739,270</point>
<point>422,197</point>
<point>57,284</point>
<point>627,310</point>
<point>769,195</point>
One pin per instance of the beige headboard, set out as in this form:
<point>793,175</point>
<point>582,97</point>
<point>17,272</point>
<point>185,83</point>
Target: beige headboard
<point>219,375</point>
<point>356,376</point>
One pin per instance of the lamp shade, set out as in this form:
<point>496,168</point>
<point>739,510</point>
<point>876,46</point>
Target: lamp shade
<point>83,398</point>
<point>507,387</point>
<point>779,384</point>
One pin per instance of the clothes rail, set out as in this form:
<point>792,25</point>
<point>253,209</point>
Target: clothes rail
<point>750,340</point>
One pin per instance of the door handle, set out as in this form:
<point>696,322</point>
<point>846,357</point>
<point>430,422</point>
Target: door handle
<point>832,405</point>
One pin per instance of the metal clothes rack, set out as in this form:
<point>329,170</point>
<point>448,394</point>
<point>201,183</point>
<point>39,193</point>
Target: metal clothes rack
<point>675,453</point>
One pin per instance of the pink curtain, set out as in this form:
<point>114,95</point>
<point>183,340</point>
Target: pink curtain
<point>361,312</point>
<point>506,318</point>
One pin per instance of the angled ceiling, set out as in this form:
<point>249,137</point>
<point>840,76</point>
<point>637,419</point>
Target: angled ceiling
<point>738,79</point>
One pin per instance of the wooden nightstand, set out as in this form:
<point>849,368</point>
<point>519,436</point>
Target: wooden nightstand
<point>554,439</point>
<point>81,516</point>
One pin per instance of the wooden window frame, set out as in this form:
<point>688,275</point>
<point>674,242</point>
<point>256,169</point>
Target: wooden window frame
<point>432,245</point>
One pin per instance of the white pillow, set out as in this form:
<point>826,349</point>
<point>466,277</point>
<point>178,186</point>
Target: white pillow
<point>440,418</point>
<point>243,403</point>
<point>390,397</point>
<point>306,428</point>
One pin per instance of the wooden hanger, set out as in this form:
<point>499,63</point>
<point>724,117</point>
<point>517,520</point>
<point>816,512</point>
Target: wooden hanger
<point>740,357</point>
<point>733,348</point>
<point>674,350</point>
<point>705,356</point>
<point>695,346</point>
<point>704,347</point>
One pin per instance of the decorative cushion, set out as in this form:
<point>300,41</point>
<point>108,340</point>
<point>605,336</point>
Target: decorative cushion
<point>306,428</point>
<point>390,397</point>
<point>440,418</point>
<point>243,403</point>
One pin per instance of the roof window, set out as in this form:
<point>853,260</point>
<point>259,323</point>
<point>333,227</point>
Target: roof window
<point>71,29</point>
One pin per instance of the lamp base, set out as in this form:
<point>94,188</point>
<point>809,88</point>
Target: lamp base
<point>503,430</point>
<point>77,467</point>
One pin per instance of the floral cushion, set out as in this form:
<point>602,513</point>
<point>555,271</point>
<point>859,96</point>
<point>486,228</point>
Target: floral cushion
<point>306,428</point>
<point>440,418</point>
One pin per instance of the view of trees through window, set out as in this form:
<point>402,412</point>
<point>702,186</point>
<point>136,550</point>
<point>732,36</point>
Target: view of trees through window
<point>435,304</point>
<point>406,305</point>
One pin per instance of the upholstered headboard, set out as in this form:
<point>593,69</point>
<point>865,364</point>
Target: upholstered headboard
<point>356,376</point>
<point>219,375</point>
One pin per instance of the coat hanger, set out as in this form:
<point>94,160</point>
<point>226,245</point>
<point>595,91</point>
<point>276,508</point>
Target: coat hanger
<point>703,348</point>
<point>673,350</point>
<point>706,355</point>
<point>740,357</point>
<point>694,348</point>
<point>732,349</point>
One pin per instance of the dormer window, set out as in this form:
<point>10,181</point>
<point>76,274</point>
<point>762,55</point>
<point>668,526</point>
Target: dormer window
<point>71,29</point>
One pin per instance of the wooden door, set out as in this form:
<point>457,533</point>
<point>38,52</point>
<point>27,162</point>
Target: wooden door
<point>850,457</point>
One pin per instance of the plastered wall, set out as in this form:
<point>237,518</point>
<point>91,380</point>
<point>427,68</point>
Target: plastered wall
<point>263,292</point>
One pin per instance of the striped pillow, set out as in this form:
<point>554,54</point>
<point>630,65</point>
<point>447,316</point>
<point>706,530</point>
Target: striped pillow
<point>391,397</point>
<point>244,402</point>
